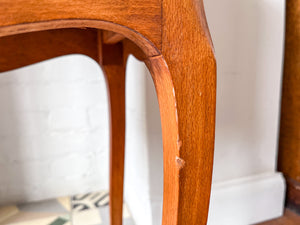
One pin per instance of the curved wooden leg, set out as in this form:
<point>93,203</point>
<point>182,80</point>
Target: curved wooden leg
<point>188,120</point>
<point>113,65</point>
<point>185,80</point>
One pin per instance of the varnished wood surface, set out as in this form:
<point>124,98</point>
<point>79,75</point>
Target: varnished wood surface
<point>113,62</point>
<point>143,17</point>
<point>188,52</point>
<point>172,37</point>
<point>293,194</point>
<point>110,37</point>
<point>289,142</point>
<point>289,218</point>
<point>28,48</point>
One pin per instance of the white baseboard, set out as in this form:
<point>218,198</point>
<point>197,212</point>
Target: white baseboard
<point>248,200</point>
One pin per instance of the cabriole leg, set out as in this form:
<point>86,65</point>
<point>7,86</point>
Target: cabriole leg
<point>113,64</point>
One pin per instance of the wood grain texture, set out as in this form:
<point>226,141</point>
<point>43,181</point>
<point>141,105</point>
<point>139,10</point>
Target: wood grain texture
<point>172,37</point>
<point>130,48</point>
<point>289,142</point>
<point>110,37</point>
<point>289,218</point>
<point>28,48</point>
<point>189,138</point>
<point>293,195</point>
<point>143,17</point>
<point>113,62</point>
<point>171,142</point>
<point>149,48</point>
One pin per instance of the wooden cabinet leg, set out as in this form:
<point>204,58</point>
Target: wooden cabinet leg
<point>289,139</point>
<point>113,65</point>
<point>188,121</point>
<point>185,79</point>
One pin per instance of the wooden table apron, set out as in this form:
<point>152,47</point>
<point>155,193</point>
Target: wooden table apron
<point>172,38</point>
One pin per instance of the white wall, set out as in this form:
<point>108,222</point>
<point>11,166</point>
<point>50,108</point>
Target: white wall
<point>53,130</point>
<point>248,40</point>
<point>144,156</point>
<point>53,133</point>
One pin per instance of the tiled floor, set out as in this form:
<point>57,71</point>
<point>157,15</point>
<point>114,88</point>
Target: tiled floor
<point>87,209</point>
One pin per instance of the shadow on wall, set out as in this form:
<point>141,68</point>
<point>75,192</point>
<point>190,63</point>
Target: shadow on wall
<point>144,154</point>
<point>155,150</point>
<point>53,130</point>
<point>12,174</point>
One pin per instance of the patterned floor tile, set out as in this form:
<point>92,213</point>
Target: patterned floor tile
<point>89,201</point>
<point>84,209</point>
<point>97,201</point>
<point>42,213</point>
<point>65,202</point>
